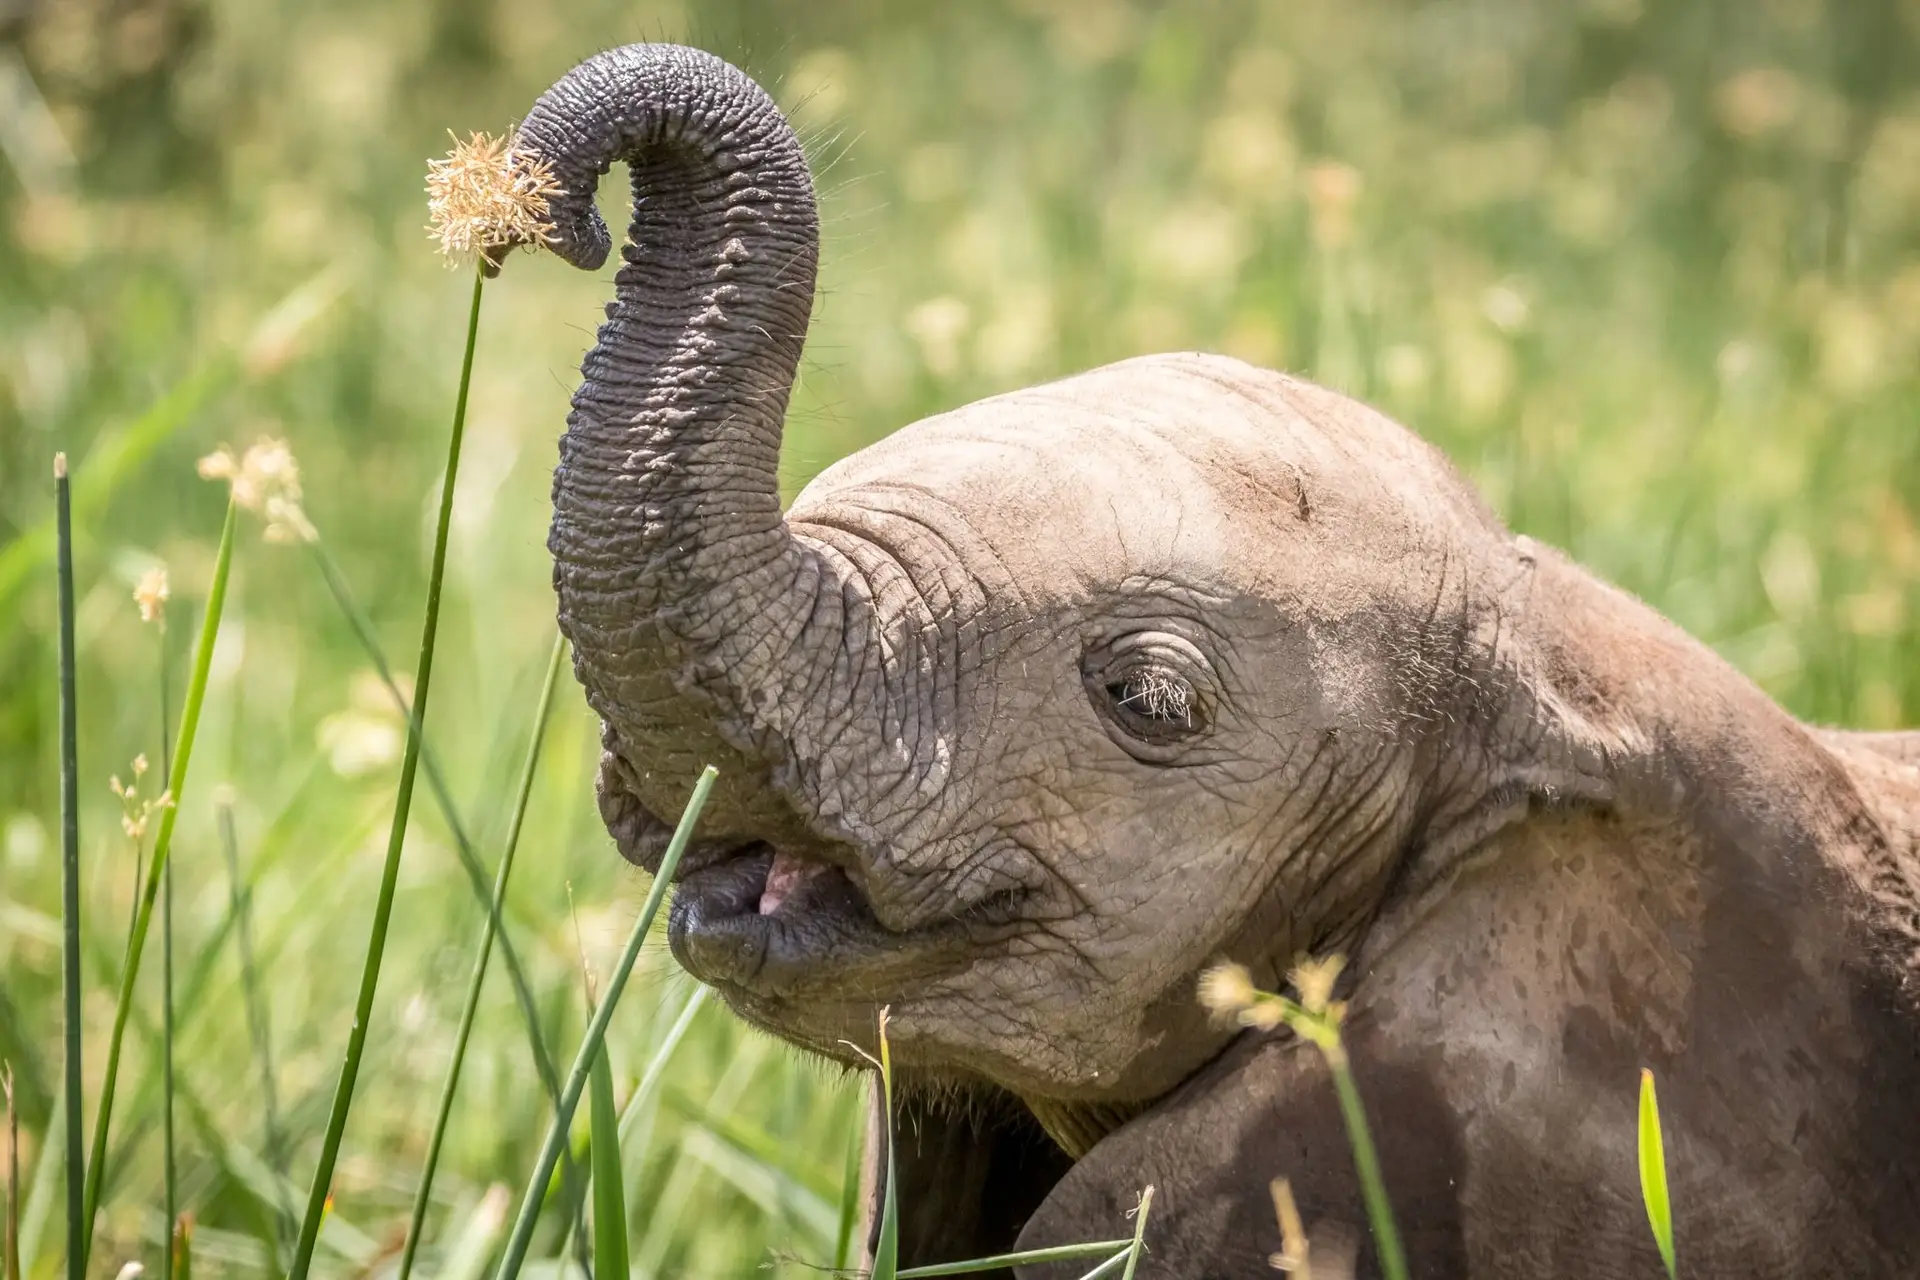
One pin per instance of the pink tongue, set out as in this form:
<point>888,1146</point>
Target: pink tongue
<point>785,876</point>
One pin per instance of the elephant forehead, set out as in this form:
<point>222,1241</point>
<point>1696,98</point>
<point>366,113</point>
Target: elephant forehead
<point>1121,471</point>
<point>1166,462</point>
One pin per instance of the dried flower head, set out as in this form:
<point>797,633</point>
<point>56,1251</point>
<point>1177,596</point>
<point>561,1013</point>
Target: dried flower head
<point>486,196</point>
<point>151,595</point>
<point>1227,990</point>
<point>265,480</point>
<point>1328,1252</point>
<point>1294,1248</point>
<point>1314,979</point>
<point>135,812</point>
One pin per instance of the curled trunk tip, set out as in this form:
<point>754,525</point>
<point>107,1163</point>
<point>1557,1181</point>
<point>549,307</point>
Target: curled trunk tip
<point>636,103</point>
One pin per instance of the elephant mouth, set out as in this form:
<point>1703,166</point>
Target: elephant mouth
<point>766,920</point>
<point>747,915</point>
<point>783,927</point>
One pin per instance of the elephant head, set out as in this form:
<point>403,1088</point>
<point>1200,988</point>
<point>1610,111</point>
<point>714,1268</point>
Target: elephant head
<point>1032,710</point>
<point>1023,714</point>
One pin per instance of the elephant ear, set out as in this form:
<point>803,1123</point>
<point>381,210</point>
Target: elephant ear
<point>972,1170</point>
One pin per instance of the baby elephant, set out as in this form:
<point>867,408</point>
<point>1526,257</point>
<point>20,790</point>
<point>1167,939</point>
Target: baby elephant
<point>1031,712</point>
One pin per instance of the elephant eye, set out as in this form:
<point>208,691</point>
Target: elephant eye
<point>1153,703</point>
<point>1155,693</point>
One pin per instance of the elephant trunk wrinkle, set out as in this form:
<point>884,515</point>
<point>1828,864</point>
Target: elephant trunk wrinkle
<point>697,617</point>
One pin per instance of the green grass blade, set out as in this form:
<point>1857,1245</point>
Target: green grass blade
<point>755,1164</point>
<point>40,1192</point>
<point>78,1223</point>
<point>886,1250</point>
<point>259,1032</point>
<point>523,1224</point>
<point>467,1258</point>
<point>170,1173</point>
<point>397,834</point>
<point>1366,1161</point>
<point>656,1069</point>
<point>1139,1245</point>
<point>762,1149</point>
<point>1653,1173</point>
<point>246,1173</point>
<point>1107,1249</point>
<point>362,628</point>
<point>12,1228</point>
<point>609,1188</point>
<point>118,455</point>
<point>180,1249</point>
<point>849,1203</point>
<point>1111,1266</point>
<point>477,980</point>
<point>543,1065</point>
<point>162,844</point>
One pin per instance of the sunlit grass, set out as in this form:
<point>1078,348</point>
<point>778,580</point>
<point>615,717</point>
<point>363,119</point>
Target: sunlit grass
<point>1664,321</point>
<point>320,1195</point>
<point>1651,1146</point>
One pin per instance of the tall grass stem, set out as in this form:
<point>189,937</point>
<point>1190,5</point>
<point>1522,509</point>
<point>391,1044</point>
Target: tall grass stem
<point>886,1251</point>
<point>443,796</point>
<point>1139,1245</point>
<point>162,845</point>
<point>1366,1162</point>
<point>259,1031</point>
<point>543,1064</point>
<point>1106,1249</point>
<point>477,980</point>
<point>77,1224</point>
<point>1111,1266</point>
<point>397,834</point>
<point>170,1172</point>
<point>529,1213</point>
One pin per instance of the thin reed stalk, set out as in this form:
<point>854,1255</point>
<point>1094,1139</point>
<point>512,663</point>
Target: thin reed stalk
<point>463,844</point>
<point>1106,1249</point>
<point>556,1140</point>
<point>1139,1246</point>
<point>171,1194</point>
<point>1110,1267</point>
<point>162,845</point>
<point>489,928</point>
<point>1366,1162</point>
<point>78,1226</point>
<point>317,1195</point>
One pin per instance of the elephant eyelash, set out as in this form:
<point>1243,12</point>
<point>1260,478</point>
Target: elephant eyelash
<point>1155,695</point>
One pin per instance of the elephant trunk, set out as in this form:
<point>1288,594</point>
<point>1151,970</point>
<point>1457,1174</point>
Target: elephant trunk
<point>679,583</point>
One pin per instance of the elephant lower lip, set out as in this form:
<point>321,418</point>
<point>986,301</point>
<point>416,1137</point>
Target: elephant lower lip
<point>728,925</point>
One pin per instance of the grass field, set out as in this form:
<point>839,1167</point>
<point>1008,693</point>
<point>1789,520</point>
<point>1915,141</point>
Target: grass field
<point>1649,272</point>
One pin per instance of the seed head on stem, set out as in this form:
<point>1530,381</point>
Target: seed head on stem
<point>486,196</point>
<point>266,481</point>
<point>151,595</point>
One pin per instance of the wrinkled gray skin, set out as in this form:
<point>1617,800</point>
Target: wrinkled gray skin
<point>1029,712</point>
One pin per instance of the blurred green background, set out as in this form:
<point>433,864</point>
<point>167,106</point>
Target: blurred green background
<point>1650,272</point>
